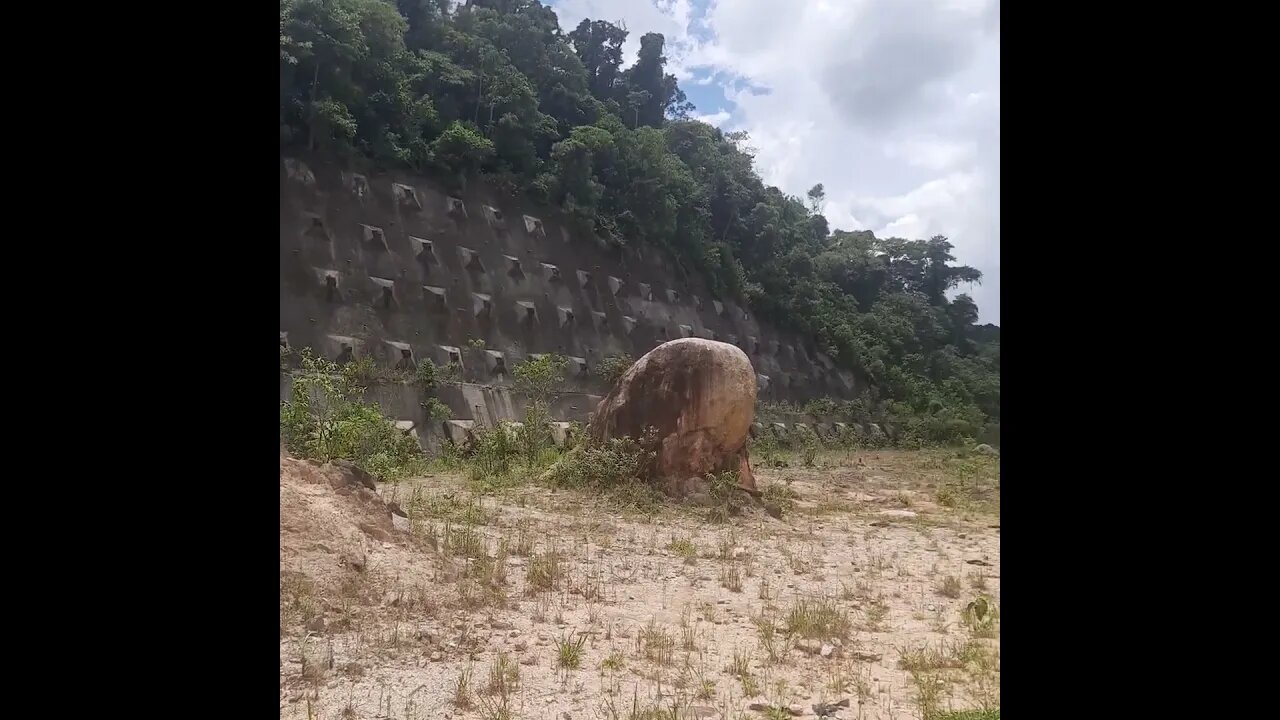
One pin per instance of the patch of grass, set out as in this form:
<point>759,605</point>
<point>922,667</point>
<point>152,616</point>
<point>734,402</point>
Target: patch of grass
<point>978,580</point>
<point>876,614</point>
<point>464,541</point>
<point>819,618</point>
<point>949,587</point>
<point>685,548</point>
<point>993,714</point>
<point>569,651</point>
<point>731,578</point>
<point>781,494</point>
<point>614,662</point>
<point>545,572</point>
<point>504,676</point>
<point>462,689</point>
<point>453,508</point>
<point>656,643</point>
<point>775,645</point>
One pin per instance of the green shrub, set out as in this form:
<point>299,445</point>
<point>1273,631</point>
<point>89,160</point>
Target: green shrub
<point>326,419</point>
<point>613,367</point>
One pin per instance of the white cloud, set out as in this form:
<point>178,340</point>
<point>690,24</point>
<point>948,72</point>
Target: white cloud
<point>716,118</point>
<point>894,105</point>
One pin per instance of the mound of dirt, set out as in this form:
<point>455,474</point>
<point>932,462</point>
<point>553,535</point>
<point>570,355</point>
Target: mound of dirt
<point>330,520</point>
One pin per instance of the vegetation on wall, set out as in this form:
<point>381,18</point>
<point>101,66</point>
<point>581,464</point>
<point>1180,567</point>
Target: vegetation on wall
<point>495,90</point>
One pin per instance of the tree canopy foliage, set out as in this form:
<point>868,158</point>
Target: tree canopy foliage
<point>496,90</point>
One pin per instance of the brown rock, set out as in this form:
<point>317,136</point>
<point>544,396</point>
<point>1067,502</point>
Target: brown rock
<point>699,395</point>
<point>355,473</point>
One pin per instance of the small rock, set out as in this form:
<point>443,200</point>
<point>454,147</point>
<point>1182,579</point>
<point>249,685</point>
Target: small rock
<point>722,602</point>
<point>796,710</point>
<point>897,513</point>
<point>501,625</point>
<point>543,636</point>
<point>514,633</point>
<point>826,650</point>
<point>332,684</point>
<point>436,656</point>
<point>529,659</point>
<point>985,449</point>
<point>981,563</point>
<point>565,715</point>
<point>522,646</point>
<point>758,707</point>
<point>867,657</point>
<point>703,711</point>
<point>812,647</point>
<point>401,524</point>
<point>316,625</point>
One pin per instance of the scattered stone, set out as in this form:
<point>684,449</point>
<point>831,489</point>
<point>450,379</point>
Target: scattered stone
<point>376,532</point>
<point>401,524</point>
<point>826,650</point>
<point>898,513</point>
<point>501,625</point>
<point>985,449</point>
<point>355,560</point>
<point>522,646</point>
<point>514,633</point>
<point>810,646</point>
<point>759,707</point>
<point>795,710</point>
<point>867,657</point>
<point>529,659</point>
<point>703,711</point>
<point>356,473</point>
<point>437,656</point>
<point>316,625</point>
<point>827,709</point>
<point>982,563</point>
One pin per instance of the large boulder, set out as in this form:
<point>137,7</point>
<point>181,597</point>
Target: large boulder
<point>699,395</point>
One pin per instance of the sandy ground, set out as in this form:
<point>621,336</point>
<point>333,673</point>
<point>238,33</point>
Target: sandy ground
<point>672,611</point>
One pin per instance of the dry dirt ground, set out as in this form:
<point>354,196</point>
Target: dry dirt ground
<point>534,603</point>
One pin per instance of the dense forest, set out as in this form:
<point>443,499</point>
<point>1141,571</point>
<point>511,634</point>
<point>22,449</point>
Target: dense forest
<point>495,91</point>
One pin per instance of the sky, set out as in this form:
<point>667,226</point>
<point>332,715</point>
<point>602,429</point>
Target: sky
<point>893,105</point>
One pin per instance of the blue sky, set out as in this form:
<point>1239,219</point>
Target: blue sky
<point>894,105</point>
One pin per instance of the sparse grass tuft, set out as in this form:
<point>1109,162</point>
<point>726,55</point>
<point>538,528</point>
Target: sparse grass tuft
<point>656,643</point>
<point>614,662</point>
<point>819,618</point>
<point>685,548</point>
<point>978,580</point>
<point>462,689</point>
<point>544,573</point>
<point>993,714</point>
<point>949,587</point>
<point>569,651</point>
<point>504,676</point>
<point>731,578</point>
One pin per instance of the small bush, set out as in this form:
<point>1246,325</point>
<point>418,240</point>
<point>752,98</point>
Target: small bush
<point>620,464</point>
<point>612,368</point>
<point>326,419</point>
